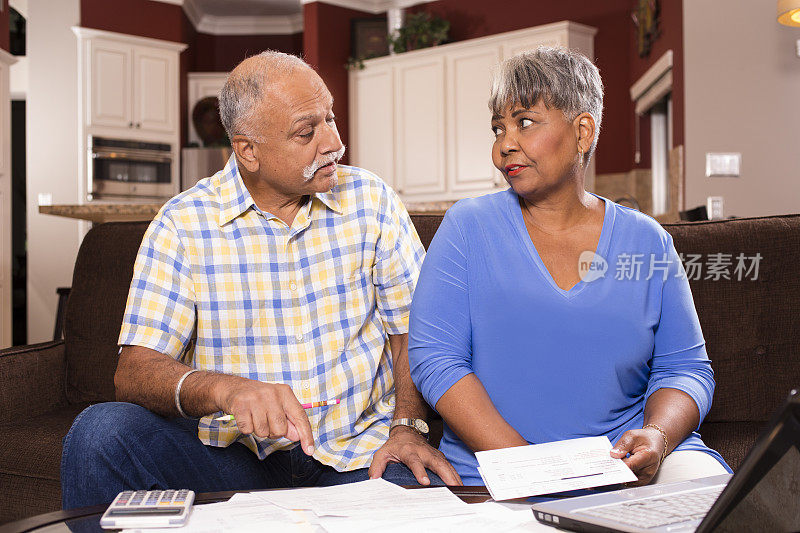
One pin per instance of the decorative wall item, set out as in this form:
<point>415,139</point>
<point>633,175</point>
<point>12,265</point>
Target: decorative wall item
<point>368,38</point>
<point>645,18</point>
<point>207,123</point>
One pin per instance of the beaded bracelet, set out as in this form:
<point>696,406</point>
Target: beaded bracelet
<point>664,436</point>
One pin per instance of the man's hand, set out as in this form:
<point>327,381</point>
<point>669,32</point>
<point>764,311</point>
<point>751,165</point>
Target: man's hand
<point>646,447</point>
<point>270,410</point>
<point>407,446</point>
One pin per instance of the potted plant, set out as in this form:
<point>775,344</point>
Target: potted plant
<point>420,30</point>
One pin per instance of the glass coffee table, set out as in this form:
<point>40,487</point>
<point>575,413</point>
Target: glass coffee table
<point>87,519</point>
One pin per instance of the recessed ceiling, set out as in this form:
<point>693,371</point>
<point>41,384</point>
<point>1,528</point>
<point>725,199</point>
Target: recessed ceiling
<point>256,8</point>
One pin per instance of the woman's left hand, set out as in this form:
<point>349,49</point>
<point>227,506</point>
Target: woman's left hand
<point>646,447</point>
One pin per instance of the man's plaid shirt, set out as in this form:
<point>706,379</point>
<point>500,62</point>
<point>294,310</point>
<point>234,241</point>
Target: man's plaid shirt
<point>225,287</point>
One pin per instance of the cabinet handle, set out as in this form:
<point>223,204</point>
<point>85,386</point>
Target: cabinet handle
<point>138,124</point>
<point>130,124</point>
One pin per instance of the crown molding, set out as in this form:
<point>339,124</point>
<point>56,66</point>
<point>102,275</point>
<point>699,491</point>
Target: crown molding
<point>91,33</point>
<point>242,25</point>
<point>283,25</point>
<point>371,6</point>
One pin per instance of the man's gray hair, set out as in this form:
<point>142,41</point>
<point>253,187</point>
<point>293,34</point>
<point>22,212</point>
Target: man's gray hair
<point>243,91</point>
<point>562,78</point>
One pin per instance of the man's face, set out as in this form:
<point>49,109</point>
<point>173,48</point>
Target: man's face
<point>297,144</point>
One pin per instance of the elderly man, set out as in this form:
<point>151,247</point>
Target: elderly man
<point>281,281</point>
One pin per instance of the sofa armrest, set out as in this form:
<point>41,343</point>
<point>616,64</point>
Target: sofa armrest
<point>31,379</point>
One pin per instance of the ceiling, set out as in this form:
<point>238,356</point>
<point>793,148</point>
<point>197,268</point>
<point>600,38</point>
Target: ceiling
<point>277,17</point>
<point>257,8</point>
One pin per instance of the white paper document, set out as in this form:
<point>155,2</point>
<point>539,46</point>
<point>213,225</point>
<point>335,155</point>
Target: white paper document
<point>551,467</point>
<point>368,499</point>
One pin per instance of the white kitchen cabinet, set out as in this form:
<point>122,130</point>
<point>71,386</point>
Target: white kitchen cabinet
<point>128,91</point>
<point>469,149</point>
<point>110,84</point>
<point>155,89</point>
<point>130,84</point>
<point>419,127</point>
<point>371,101</point>
<point>420,120</point>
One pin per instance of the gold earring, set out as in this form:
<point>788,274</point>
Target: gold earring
<point>580,157</point>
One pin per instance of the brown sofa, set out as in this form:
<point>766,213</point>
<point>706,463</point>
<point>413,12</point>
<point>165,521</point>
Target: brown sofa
<point>751,327</point>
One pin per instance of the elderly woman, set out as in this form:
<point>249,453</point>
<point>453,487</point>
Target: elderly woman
<point>517,333</point>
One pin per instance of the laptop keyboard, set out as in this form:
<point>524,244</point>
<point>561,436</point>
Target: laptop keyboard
<point>658,511</point>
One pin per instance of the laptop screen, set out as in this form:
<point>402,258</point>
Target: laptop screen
<point>764,493</point>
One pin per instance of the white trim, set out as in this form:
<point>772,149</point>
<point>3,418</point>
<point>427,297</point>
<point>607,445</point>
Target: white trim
<point>88,33</point>
<point>654,93</point>
<point>371,6</point>
<point>193,13</point>
<point>569,27</point>
<point>21,6</point>
<point>245,25</point>
<point>7,58</point>
<point>175,2</point>
<point>653,74</point>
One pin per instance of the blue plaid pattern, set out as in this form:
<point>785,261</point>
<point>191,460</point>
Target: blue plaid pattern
<point>225,287</point>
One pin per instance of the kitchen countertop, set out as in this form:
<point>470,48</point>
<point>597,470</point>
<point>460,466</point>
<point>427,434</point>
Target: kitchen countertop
<point>107,212</point>
<point>102,212</point>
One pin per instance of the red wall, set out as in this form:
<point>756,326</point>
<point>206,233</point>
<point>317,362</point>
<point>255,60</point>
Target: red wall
<point>470,19</point>
<point>157,20</point>
<point>326,47</point>
<point>4,27</point>
<point>221,53</point>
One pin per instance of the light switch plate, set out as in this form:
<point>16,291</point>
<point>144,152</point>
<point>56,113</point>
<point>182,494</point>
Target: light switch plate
<point>723,164</point>
<point>714,207</point>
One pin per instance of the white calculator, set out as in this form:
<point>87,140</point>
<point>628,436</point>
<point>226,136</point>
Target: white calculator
<point>148,508</point>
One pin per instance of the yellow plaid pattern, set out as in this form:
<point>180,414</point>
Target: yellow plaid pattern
<point>225,287</point>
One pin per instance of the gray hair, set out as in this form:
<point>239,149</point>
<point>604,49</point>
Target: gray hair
<point>244,89</point>
<point>564,79</point>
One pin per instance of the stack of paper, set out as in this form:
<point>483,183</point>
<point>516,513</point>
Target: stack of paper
<point>365,506</point>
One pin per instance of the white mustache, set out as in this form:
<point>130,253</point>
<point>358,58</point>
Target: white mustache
<point>308,172</point>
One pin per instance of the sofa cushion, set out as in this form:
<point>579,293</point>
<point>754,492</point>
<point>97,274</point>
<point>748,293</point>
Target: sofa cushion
<point>750,325</point>
<point>30,463</point>
<point>731,439</point>
<point>102,276</point>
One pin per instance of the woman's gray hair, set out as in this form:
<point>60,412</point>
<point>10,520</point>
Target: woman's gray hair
<point>244,90</point>
<point>562,78</point>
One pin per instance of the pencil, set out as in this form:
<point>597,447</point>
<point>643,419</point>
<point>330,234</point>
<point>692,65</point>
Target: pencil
<point>230,418</point>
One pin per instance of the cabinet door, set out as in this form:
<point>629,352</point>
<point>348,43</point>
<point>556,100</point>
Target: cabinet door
<point>469,149</point>
<point>420,128</point>
<point>110,84</point>
<point>372,121</point>
<point>155,89</point>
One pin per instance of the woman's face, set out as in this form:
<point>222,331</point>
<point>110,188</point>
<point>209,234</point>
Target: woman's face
<point>535,148</point>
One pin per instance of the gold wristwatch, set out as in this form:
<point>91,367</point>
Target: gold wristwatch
<point>417,424</point>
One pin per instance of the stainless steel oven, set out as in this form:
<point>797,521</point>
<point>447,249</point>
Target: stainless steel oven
<point>129,169</point>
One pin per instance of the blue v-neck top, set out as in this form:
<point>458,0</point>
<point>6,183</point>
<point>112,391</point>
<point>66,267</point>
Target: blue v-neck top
<point>557,364</point>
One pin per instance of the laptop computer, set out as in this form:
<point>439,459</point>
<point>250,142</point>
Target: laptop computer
<point>763,495</point>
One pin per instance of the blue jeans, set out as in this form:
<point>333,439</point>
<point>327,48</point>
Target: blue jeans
<point>118,446</point>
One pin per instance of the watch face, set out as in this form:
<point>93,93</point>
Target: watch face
<point>421,426</point>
